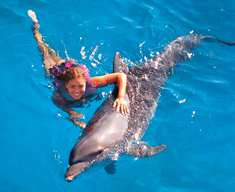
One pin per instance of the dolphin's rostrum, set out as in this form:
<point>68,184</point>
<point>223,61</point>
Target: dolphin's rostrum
<point>110,134</point>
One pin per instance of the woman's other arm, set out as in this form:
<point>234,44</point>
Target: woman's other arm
<point>60,102</point>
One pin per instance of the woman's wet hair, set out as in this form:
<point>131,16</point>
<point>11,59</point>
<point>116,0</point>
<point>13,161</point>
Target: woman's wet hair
<point>71,73</point>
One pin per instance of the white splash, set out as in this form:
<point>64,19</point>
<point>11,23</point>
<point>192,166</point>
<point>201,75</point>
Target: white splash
<point>94,64</point>
<point>93,53</point>
<point>182,101</point>
<point>193,113</point>
<point>100,56</point>
<point>141,44</point>
<point>58,115</point>
<point>83,53</point>
<point>103,94</point>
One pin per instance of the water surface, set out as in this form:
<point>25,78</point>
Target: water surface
<point>195,114</point>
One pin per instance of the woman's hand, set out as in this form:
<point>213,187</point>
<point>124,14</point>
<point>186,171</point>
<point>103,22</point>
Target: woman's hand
<point>121,104</point>
<point>74,117</point>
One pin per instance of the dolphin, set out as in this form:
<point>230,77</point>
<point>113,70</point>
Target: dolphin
<point>110,134</point>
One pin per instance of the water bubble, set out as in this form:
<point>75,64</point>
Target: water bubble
<point>58,115</point>
<point>193,113</point>
<point>103,94</point>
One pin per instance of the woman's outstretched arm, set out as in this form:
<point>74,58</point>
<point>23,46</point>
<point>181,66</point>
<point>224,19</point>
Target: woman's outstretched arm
<point>120,80</point>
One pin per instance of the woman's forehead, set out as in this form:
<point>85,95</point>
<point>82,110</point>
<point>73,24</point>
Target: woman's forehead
<point>77,80</point>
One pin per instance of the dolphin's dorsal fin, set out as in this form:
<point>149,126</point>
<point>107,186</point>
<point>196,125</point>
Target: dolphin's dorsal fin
<point>118,65</point>
<point>141,149</point>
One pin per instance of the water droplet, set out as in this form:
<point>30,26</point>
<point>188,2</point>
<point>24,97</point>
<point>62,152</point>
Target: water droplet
<point>191,32</point>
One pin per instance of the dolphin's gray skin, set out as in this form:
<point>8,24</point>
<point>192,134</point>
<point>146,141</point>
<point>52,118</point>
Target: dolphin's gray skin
<point>110,134</point>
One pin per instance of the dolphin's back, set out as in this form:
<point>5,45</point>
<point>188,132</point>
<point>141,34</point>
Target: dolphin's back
<point>145,81</point>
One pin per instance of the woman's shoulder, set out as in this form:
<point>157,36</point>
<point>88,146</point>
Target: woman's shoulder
<point>57,96</point>
<point>60,85</point>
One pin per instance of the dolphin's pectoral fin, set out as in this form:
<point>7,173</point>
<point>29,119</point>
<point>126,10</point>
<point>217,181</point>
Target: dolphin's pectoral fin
<point>111,168</point>
<point>143,150</point>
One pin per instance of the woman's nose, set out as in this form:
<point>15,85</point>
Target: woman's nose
<point>78,90</point>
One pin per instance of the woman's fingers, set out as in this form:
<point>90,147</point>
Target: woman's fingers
<point>115,103</point>
<point>125,109</point>
<point>122,110</point>
<point>80,124</point>
<point>120,105</point>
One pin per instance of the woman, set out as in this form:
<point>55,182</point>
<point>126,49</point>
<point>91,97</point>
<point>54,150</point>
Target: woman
<point>73,80</point>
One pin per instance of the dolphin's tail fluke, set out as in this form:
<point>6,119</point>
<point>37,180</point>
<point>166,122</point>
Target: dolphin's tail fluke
<point>143,150</point>
<point>210,38</point>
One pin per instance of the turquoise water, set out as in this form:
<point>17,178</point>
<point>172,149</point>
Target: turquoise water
<point>195,114</point>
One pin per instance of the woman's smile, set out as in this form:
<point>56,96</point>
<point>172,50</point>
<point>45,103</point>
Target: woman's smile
<point>76,87</point>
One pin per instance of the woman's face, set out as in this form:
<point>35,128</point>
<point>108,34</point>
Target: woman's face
<point>76,87</point>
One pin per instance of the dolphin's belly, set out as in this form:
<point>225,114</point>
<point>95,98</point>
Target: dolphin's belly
<point>109,129</point>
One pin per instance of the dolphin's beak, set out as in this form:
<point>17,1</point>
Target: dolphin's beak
<point>74,170</point>
<point>69,179</point>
